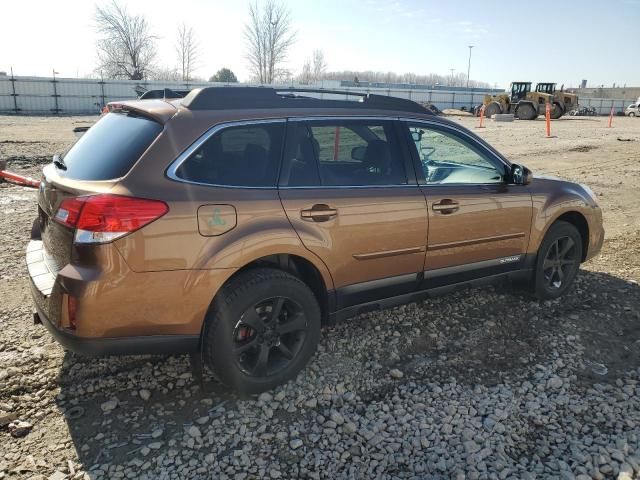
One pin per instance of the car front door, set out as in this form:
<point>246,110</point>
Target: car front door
<point>345,188</point>
<point>479,223</point>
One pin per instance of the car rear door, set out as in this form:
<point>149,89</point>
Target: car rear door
<point>345,189</point>
<point>479,223</point>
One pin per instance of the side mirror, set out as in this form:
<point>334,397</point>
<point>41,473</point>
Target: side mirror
<point>358,153</point>
<point>520,175</point>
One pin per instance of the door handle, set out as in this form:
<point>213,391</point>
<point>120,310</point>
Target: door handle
<point>446,206</point>
<point>318,213</point>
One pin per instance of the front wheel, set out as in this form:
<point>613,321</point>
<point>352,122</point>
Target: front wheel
<point>526,111</point>
<point>262,329</point>
<point>632,114</point>
<point>558,261</point>
<point>492,109</point>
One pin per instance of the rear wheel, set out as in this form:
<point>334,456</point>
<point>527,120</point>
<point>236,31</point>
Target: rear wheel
<point>526,111</point>
<point>558,261</point>
<point>262,329</point>
<point>492,109</point>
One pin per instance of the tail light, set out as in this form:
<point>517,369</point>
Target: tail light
<point>103,218</point>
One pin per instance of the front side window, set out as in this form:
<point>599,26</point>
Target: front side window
<point>344,153</point>
<point>447,159</point>
<point>244,155</point>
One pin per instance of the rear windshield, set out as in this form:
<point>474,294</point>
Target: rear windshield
<point>109,149</point>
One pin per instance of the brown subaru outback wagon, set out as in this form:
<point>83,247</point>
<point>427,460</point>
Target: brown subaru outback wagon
<point>233,222</point>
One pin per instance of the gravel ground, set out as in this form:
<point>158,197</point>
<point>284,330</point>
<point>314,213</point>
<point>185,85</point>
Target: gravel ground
<point>484,383</point>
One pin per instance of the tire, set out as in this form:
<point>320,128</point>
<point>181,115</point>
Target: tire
<point>555,271</point>
<point>632,114</point>
<point>556,111</point>
<point>492,109</point>
<point>525,111</point>
<point>240,331</point>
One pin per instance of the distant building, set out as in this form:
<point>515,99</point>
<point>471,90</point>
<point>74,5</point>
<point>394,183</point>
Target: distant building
<point>583,84</point>
<point>3,74</point>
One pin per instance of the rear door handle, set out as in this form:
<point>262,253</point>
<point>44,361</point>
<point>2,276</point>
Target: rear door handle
<point>318,213</point>
<point>445,206</point>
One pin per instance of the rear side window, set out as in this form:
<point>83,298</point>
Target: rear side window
<point>343,153</point>
<point>109,149</point>
<point>242,156</point>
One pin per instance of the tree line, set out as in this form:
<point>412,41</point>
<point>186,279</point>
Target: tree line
<point>127,49</point>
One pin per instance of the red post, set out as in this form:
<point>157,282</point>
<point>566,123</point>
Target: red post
<point>19,179</point>
<point>481,117</point>
<point>336,144</point>
<point>611,117</point>
<point>547,117</point>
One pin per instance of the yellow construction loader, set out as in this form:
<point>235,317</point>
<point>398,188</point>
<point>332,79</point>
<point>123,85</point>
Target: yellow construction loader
<point>562,102</point>
<point>519,100</point>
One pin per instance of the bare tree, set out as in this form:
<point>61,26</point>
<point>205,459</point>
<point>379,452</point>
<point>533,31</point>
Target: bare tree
<point>268,36</point>
<point>165,73</point>
<point>305,76</point>
<point>187,48</point>
<point>319,65</point>
<point>127,47</point>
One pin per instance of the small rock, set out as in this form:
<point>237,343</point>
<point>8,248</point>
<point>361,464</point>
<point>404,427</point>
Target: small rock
<point>57,475</point>
<point>471,447</point>
<point>110,405</point>
<point>337,417</point>
<point>144,394</point>
<point>275,473</point>
<point>194,431</point>
<point>19,428</point>
<point>395,373</point>
<point>7,418</point>
<point>295,443</point>
<point>265,397</point>
<point>554,382</point>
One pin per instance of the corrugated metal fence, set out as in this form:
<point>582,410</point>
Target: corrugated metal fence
<point>69,96</point>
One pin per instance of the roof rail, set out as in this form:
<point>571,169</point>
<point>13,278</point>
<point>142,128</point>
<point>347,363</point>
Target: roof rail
<point>241,98</point>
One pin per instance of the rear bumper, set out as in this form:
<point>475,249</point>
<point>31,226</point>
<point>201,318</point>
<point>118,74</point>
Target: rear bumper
<point>47,293</point>
<point>141,345</point>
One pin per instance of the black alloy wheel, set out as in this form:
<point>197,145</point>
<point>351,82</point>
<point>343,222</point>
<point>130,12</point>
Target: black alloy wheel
<point>558,261</point>
<point>261,330</point>
<point>561,260</point>
<point>268,336</point>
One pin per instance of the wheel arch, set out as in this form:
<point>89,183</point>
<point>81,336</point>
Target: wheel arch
<point>316,277</point>
<point>579,221</point>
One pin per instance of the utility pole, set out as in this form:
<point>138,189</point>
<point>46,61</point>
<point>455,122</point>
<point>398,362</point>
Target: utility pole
<point>469,65</point>
<point>451,82</point>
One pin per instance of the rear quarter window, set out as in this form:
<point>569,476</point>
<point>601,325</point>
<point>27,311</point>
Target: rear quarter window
<point>239,156</point>
<point>109,149</point>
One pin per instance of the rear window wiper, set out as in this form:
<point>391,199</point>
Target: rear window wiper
<point>59,162</point>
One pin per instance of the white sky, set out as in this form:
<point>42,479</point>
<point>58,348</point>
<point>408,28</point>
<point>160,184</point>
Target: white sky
<point>535,41</point>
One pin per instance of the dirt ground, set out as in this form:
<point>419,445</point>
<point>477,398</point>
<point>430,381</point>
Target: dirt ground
<point>495,344</point>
